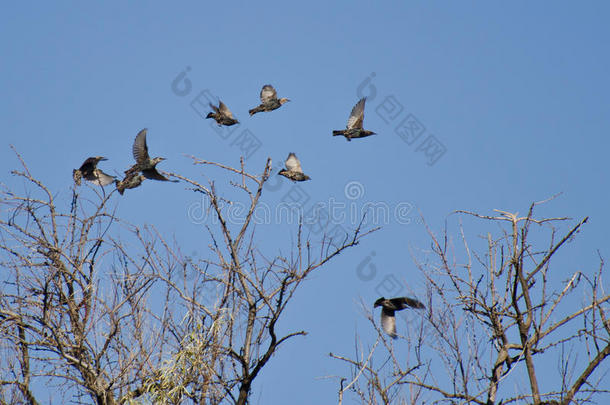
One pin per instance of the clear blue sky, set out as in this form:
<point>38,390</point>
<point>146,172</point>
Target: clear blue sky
<point>518,94</point>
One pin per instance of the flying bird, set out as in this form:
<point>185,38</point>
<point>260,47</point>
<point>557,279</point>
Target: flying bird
<point>145,167</point>
<point>90,172</point>
<point>269,100</point>
<point>132,180</point>
<point>389,306</point>
<point>293,169</point>
<point>354,123</point>
<point>222,115</point>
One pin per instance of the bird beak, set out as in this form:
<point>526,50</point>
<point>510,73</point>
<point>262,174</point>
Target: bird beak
<point>102,158</point>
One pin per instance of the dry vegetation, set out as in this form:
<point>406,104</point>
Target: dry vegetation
<point>101,311</point>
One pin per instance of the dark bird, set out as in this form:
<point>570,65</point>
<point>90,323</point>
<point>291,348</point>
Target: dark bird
<point>145,167</point>
<point>389,306</point>
<point>354,123</point>
<point>222,115</point>
<point>293,169</point>
<point>90,172</point>
<point>269,100</point>
<point>144,164</point>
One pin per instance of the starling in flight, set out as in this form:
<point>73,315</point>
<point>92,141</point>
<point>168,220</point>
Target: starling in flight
<point>132,180</point>
<point>293,169</point>
<point>90,172</point>
<point>388,320</point>
<point>145,167</point>
<point>269,100</point>
<point>354,123</point>
<point>222,115</point>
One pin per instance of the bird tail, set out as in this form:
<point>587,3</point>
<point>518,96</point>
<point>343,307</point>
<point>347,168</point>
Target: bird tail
<point>254,111</point>
<point>338,133</point>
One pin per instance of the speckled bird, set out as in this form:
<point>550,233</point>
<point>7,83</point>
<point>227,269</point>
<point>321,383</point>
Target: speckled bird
<point>145,167</point>
<point>354,123</point>
<point>390,306</point>
<point>222,115</point>
<point>132,180</point>
<point>90,172</point>
<point>269,100</point>
<point>293,169</point>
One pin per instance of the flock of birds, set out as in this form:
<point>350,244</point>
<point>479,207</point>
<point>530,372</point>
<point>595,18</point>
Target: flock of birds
<point>146,168</point>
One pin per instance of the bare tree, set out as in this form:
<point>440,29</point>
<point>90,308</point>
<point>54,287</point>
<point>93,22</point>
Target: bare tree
<point>101,310</point>
<point>253,289</point>
<point>493,320</point>
<point>73,311</point>
<point>379,378</point>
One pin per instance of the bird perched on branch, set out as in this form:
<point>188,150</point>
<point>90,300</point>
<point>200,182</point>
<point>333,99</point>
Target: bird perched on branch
<point>269,100</point>
<point>354,123</point>
<point>293,169</point>
<point>222,115</point>
<point>389,306</point>
<point>90,172</point>
<point>145,167</point>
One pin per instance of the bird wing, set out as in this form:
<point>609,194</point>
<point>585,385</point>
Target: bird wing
<point>403,302</point>
<point>293,164</point>
<point>268,93</point>
<point>132,171</point>
<point>356,117</point>
<point>88,165</point>
<point>101,178</point>
<point>140,149</point>
<point>388,322</point>
<point>153,174</point>
<point>214,108</point>
<point>224,110</point>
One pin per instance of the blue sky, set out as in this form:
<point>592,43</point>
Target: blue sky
<point>517,94</point>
